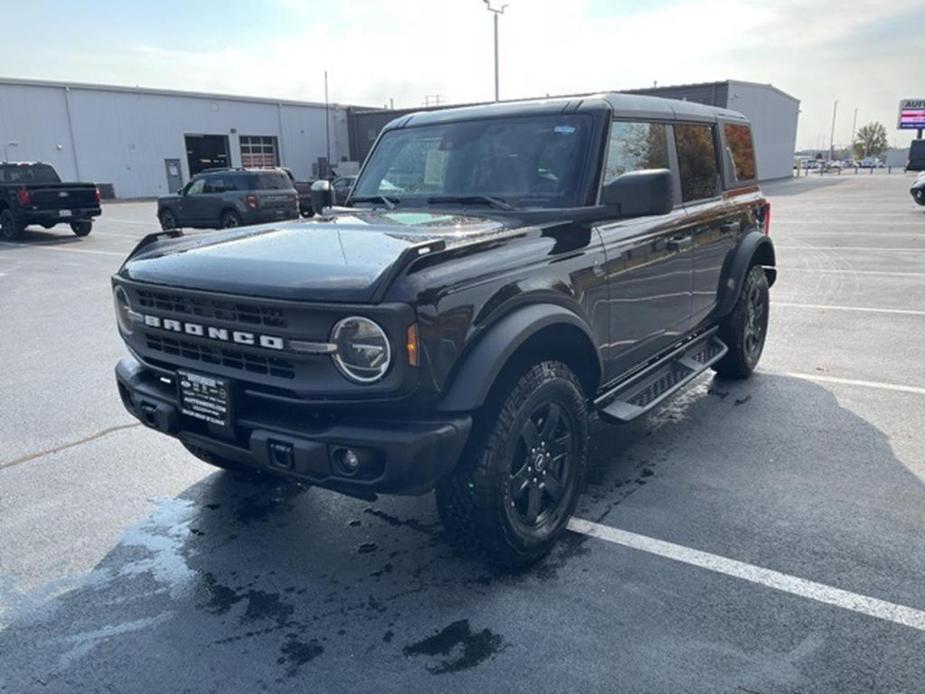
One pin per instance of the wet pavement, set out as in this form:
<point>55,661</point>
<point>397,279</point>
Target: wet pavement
<point>128,566</point>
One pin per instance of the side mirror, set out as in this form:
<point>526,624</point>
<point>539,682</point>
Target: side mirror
<point>640,193</point>
<point>183,190</point>
<point>322,195</point>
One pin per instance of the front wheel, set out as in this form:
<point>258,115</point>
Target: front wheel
<point>82,228</point>
<point>518,482</point>
<point>10,229</point>
<point>744,330</point>
<point>168,220</point>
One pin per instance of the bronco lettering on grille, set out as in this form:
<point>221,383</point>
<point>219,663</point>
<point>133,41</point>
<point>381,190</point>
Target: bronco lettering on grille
<point>221,334</point>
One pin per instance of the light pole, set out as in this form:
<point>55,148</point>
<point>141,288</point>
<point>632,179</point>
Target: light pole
<point>832,135</point>
<point>495,12</point>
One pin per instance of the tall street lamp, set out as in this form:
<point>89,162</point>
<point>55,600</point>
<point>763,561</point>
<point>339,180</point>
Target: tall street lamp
<point>495,12</point>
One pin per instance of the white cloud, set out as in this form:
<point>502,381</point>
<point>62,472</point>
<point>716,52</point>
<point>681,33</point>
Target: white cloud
<point>406,49</point>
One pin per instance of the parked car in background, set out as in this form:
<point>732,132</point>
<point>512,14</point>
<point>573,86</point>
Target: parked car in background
<point>226,198</point>
<point>304,189</point>
<point>916,161</point>
<point>342,186</point>
<point>918,189</point>
<point>871,163</point>
<point>31,192</point>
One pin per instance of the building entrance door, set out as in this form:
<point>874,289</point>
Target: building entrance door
<point>206,152</point>
<point>174,175</point>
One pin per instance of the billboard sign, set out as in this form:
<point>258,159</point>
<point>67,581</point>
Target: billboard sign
<point>911,114</point>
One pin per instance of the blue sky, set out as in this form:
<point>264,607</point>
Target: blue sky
<point>865,53</point>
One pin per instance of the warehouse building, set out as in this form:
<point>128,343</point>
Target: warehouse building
<point>773,113</point>
<point>137,142</point>
<point>148,142</point>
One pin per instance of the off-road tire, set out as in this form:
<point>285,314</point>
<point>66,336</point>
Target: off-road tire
<point>230,220</point>
<point>168,220</point>
<point>10,229</point>
<point>475,501</point>
<point>82,228</point>
<point>738,328</point>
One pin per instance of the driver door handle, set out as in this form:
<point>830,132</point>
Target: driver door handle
<point>680,243</point>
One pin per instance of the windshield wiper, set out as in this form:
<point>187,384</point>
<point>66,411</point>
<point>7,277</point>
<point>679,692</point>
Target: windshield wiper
<point>389,202</point>
<point>497,203</point>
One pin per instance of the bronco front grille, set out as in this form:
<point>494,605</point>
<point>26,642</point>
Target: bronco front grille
<point>232,311</point>
<point>230,358</point>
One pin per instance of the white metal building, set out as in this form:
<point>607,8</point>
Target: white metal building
<point>147,142</point>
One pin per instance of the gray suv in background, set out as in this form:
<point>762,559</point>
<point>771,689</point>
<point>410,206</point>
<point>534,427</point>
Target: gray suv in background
<point>221,199</point>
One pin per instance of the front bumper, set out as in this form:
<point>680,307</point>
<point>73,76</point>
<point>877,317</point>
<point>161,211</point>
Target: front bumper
<point>406,457</point>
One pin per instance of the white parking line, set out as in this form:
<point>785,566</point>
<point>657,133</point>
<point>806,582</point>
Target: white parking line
<point>858,223</point>
<point>863,309</point>
<point>855,602</point>
<point>64,250</point>
<point>853,382</point>
<point>829,249</point>
<point>850,271</point>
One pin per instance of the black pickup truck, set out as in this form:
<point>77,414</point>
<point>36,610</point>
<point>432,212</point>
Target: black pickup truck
<point>498,273</point>
<point>32,193</point>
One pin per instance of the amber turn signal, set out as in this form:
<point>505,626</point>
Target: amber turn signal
<point>411,345</point>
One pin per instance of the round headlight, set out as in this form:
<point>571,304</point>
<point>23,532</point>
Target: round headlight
<point>363,353</point>
<point>123,310</point>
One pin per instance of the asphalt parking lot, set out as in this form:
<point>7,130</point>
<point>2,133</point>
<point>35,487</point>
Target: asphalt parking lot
<point>764,536</point>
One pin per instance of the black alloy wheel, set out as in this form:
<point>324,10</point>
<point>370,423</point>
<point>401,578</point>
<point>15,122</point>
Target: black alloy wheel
<point>512,493</point>
<point>745,329</point>
<point>541,469</point>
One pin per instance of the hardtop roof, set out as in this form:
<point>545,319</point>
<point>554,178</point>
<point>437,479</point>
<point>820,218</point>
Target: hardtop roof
<point>620,104</point>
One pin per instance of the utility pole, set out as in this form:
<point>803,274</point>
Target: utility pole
<point>327,128</point>
<point>832,135</point>
<point>854,130</point>
<point>495,12</point>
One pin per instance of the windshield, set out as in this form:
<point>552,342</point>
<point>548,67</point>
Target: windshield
<point>534,161</point>
<point>28,173</point>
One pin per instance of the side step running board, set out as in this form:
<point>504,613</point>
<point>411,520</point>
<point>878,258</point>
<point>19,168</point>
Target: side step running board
<point>659,381</point>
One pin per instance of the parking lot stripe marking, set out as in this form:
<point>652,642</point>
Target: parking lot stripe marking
<point>862,604</point>
<point>854,382</point>
<point>849,271</point>
<point>864,309</point>
<point>64,250</point>
<point>829,249</point>
<point>65,446</point>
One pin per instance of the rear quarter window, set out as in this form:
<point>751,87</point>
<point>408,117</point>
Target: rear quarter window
<point>741,151</point>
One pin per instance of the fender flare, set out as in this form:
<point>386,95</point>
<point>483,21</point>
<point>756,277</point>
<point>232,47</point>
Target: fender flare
<point>737,265</point>
<point>473,380</point>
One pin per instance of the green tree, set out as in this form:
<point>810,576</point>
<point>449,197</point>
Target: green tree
<point>870,141</point>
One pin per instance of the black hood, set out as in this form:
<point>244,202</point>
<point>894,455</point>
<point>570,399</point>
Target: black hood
<point>347,256</point>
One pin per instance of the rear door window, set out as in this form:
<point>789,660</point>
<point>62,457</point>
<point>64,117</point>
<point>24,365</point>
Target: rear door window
<point>696,161</point>
<point>741,151</point>
<point>634,146</point>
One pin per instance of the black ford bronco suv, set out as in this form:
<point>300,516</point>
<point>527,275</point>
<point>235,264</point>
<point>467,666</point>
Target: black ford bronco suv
<point>498,274</point>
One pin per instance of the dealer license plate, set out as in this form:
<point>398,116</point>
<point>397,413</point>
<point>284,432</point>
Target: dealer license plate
<point>205,397</point>
<point>64,213</point>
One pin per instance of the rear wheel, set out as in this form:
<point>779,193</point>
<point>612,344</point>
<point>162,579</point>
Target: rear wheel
<point>744,330</point>
<point>10,229</point>
<point>168,220</point>
<point>517,485</point>
<point>82,228</point>
<point>230,219</point>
